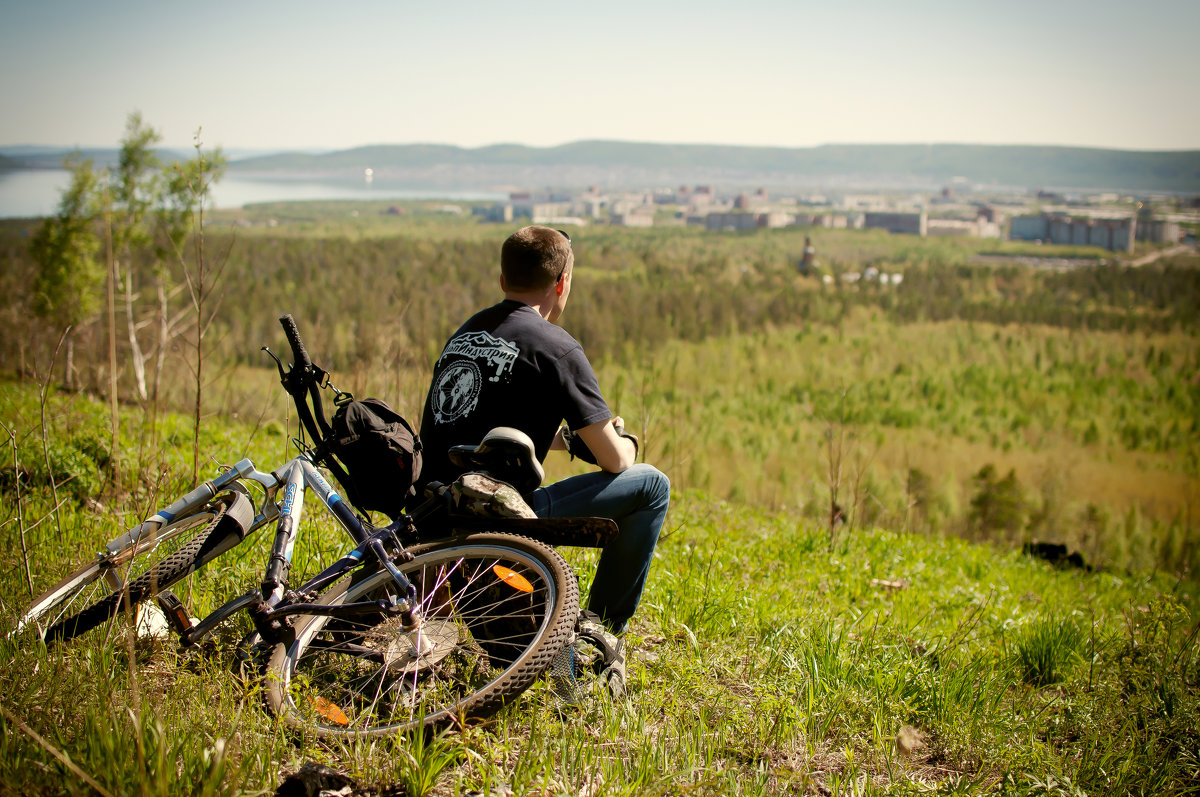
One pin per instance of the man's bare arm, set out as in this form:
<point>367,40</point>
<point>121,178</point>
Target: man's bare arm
<point>613,453</point>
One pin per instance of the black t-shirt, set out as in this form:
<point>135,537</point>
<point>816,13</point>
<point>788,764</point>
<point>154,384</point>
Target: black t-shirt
<point>506,366</point>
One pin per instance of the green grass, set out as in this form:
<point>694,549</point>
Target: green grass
<point>762,661</point>
<point>767,658</point>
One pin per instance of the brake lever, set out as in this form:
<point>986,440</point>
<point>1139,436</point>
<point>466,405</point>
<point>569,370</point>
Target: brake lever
<point>283,376</point>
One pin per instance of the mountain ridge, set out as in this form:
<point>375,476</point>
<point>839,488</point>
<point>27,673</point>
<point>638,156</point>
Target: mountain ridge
<point>614,162</point>
<point>611,163</point>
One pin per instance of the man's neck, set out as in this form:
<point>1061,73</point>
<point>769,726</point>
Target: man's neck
<point>541,303</point>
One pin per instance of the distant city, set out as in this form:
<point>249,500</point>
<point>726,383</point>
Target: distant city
<point>1105,219</point>
<point>905,189</point>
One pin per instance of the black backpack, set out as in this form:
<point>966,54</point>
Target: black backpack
<point>381,454</point>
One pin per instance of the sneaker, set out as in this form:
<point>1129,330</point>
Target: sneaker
<point>607,652</point>
<point>613,676</point>
<point>595,656</point>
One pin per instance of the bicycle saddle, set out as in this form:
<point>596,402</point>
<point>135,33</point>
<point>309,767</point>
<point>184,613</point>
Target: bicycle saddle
<point>506,454</point>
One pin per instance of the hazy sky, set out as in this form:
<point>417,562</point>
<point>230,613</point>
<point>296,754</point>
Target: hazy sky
<point>325,75</point>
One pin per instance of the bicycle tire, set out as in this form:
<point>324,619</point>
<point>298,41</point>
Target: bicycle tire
<point>497,609</point>
<point>86,599</point>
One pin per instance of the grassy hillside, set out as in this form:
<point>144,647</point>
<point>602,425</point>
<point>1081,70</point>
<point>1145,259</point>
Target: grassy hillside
<point>910,415</point>
<point>1067,395</point>
<point>909,649</point>
<point>770,656</point>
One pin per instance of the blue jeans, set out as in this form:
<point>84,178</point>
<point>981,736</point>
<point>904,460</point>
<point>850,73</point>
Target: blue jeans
<point>637,499</point>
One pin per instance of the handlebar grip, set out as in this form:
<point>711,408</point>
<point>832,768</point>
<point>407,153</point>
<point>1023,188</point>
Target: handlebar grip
<point>299,353</point>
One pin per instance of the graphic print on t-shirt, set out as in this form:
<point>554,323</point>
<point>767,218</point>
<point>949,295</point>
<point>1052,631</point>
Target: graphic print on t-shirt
<point>456,389</point>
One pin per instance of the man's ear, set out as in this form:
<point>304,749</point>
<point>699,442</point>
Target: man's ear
<point>502,288</point>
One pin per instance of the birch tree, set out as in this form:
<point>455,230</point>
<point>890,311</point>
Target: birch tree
<point>66,289</point>
<point>136,190</point>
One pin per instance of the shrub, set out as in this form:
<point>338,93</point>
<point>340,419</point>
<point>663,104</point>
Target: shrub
<point>77,467</point>
<point>1045,648</point>
<point>998,504</point>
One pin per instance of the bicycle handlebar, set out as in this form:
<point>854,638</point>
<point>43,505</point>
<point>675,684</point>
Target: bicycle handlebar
<point>299,353</point>
<point>303,382</point>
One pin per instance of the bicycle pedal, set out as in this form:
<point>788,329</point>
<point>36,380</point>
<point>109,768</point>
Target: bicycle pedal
<point>175,612</point>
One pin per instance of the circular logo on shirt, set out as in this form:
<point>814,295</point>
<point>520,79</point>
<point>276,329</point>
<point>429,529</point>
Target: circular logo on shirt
<point>456,391</point>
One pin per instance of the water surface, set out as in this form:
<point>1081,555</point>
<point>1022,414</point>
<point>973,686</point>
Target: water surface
<point>29,193</point>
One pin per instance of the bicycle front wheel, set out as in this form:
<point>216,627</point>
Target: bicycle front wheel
<point>95,592</point>
<point>496,609</point>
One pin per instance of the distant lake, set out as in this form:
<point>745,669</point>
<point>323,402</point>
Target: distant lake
<point>28,193</point>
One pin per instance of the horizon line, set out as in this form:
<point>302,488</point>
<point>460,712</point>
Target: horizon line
<point>332,149</point>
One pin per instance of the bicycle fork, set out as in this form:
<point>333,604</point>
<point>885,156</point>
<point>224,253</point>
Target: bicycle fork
<point>274,623</point>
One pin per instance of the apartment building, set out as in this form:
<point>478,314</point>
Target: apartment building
<point>1116,234</point>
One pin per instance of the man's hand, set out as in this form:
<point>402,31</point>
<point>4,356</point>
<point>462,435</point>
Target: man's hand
<point>619,427</point>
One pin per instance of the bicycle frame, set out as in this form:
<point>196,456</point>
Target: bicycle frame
<point>283,501</point>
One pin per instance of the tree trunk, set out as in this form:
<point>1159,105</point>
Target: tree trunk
<point>112,341</point>
<point>69,364</point>
<point>200,325</point>
<point>160,356</point>
<point>164,336</point>
<point>138,361</point>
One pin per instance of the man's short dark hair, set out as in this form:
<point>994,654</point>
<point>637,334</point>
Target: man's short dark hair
<point>534,257</point>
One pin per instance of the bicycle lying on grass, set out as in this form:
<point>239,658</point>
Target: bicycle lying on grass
<point>442,616</point>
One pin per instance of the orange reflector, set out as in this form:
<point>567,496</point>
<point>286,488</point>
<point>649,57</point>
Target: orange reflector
<point>330,711</point>
<point>512,578</point>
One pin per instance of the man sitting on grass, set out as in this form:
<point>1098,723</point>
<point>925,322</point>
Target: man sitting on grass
<point>511,365</point>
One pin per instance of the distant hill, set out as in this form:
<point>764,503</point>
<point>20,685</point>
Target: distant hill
<point>33,157</point>
<point>612,163</point>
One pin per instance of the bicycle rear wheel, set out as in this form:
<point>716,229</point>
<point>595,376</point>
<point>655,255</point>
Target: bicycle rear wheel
<point>496,610</point>
<point>95,592</point>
